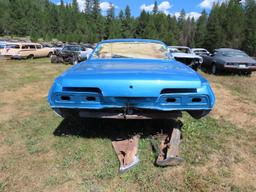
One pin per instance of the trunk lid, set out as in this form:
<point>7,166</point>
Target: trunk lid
<point>131,77</point>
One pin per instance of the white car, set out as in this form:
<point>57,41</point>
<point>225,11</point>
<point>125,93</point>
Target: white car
<point>200,51</point>
<point>2,46</point>
<point>22,50</point>
<point>185,55</point>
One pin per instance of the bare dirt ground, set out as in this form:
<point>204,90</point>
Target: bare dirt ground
<point>233,108</point>
<point>219,150</point>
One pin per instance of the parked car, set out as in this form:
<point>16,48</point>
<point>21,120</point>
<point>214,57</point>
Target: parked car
<point>26,51</point>
<point>71,54</point>
<point>185,55</point>
<point>200,51</point>
<point>130,79</point>
<point>133,79</point>
<point>232,60</point>
<point>2,46</point>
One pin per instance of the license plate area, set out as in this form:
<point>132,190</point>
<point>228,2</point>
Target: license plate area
<point>242,66</point>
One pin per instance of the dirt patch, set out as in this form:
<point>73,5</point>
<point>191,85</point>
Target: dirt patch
<point>232,108</point>
<point>244,175</point>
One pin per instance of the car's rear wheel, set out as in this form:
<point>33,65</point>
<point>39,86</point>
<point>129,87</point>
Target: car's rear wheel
<point>30,57</point>
<point>74,60</point>
<point>214,69</point>
<point>49,54</point>
<point>54,59</point>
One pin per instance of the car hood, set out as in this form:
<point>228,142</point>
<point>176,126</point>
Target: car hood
<point>238,60</point>
<point>185,55</point>
<point>129,76</point>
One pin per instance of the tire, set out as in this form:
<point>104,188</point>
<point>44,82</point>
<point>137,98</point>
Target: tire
<point>214,69</point>
<point>195,68</point>
<point>50,54</point>
<point>54,59</point>
<point>74,60</point>
<point>30,57</point>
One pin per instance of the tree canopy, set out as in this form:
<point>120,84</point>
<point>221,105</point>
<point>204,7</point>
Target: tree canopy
<point>229,24</point>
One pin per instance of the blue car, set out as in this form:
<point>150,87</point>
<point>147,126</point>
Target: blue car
<point>131,79</point>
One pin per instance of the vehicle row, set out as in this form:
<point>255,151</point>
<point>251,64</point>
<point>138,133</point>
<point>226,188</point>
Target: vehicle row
<point>59,54</point>
<point>72,54</point>
<point>221,60</point>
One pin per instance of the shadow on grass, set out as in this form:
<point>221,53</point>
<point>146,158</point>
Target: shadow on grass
<point>112,129</point>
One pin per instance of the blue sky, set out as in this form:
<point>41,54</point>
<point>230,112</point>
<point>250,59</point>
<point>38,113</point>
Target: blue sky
<point>192,7</point>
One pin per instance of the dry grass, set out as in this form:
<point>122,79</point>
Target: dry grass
<point>243,86</point>
<point>41,152</point>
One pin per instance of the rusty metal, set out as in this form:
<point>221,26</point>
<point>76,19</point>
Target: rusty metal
<point>135,114</point>
<point>168,151</point>
<point>126,151</point>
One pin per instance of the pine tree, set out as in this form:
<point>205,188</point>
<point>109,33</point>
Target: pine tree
<point>88,7</point>
<point>62,3</point>
<point>150,29</point>
<point>126,23</point>
<point>98,20</point>
<point>173,31</point>
<point>141,24</point>
<point>4,15</point>
<point>95,9</point>
<point>234,24</point>
<point>249,43</point>
<point>75,6</point>
<point>110,22</point>
<point>155,8</point>
<point>183,28</point>
<point>214,30</point>
<point>127,12</point>
<point>201,29</point>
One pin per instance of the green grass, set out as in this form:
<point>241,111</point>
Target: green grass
<point>243,86</point>
<point>41,152</point>
<point>2,186</point>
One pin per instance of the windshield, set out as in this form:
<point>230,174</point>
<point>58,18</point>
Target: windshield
<point>13,46</point>
<point>200,51</point>
<point>174,50</point>
<point>134,50</point>
<point>180,50</point>
<point>234,54</point>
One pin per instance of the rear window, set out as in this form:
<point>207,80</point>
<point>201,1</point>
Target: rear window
<point>201,51</point>
<point>13,46</point>
<point>134,50</point>
<point>234,54</point>
<point>183,50</point>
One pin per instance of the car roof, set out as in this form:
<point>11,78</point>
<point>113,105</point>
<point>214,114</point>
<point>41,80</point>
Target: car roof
<point>183,47</point>
<point>199,49</point>
<point>132,40</point>
<point>227,49</point>
<point>22,43</point>
<point>73,45</point>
